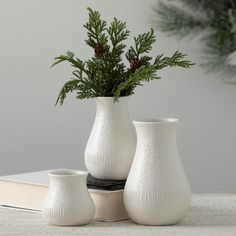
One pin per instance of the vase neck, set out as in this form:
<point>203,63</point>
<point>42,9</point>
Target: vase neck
<point>67,179</point>
<point>159,131</point>
<point>106,107</point>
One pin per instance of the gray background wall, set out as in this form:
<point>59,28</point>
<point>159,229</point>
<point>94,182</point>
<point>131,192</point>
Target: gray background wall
<point>35,135</point>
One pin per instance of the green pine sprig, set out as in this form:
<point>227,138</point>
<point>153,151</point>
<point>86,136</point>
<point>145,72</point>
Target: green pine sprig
<point>105,73</point>
<point>96,28</point>
<point>214,19</point>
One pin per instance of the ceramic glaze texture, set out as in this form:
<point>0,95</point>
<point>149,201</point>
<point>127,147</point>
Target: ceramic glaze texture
<point>68,202</point>
<point>110,149</point>
<point>156,191</point>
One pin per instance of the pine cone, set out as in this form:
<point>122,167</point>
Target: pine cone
<point>135,63</point>
<point>99,50</point>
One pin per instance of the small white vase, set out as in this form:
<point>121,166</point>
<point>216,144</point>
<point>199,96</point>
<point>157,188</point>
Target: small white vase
<point>68,202</point>
<point>156,191</point>
<point>110,149</point>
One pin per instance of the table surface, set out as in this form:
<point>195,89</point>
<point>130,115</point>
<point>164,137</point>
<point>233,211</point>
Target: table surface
<point>210,214</point>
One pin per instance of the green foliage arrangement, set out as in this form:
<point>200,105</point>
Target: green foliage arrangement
<point>105,74</point>
<point>216,18</point>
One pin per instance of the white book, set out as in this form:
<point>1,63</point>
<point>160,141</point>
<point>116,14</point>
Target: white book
<point>26,192</point>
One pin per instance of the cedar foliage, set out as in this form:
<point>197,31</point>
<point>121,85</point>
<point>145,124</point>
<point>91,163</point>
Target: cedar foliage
<point>105,74</point>
<point>216,18</point>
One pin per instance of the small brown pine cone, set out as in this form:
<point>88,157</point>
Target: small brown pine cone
<point>135,63</point>
<point>99,50</point>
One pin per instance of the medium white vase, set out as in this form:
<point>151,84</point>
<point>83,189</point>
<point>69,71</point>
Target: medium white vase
<point>110,149</point>
<point>68,202</point>
<point>157,191</point>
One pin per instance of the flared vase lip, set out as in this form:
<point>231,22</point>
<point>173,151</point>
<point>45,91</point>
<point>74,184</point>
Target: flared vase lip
<point>108,98</point>
<point>67,173</point>
<point>161,120</point>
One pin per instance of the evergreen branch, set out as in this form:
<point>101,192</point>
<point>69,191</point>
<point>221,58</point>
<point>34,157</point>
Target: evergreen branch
<point>69,86</point>
<point>175,20</point>
<point>104,74</point>
<point>96,28</point>
<point>216,17</point>
<point>77,63</point>
<point>143,44</point>
<point>175,60</point>
<point>145,60</point>
<point>117,33</point>
<point>142,74</point>
<point>86,89</point>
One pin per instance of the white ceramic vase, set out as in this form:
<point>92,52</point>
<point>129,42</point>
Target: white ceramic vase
<point>110,149</point>
<point>157,191</point>
<point>68,202</point>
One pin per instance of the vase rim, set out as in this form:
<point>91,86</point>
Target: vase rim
<point>157,121</point>
<point>113,97</point>
<point>67,173</point>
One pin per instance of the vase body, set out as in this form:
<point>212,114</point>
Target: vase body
<point>156,191</point>
<point>110,148</point>
<point>68,202</point>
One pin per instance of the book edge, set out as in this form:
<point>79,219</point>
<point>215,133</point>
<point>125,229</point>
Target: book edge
<point>22,182</point>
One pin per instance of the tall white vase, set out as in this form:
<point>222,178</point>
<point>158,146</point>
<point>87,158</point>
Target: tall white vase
<point>157,191</point>
<point>110,149</point>
<point>68,202</point>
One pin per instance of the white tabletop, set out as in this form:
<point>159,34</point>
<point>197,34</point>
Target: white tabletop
<point>210,214</point>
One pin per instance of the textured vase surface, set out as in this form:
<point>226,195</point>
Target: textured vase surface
<point>68,202</point>
<point>110,149</point>
<point>157,191</point>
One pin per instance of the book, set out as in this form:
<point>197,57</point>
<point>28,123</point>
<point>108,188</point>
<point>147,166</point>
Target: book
<point>26,192</point>
<point>106,184</point>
